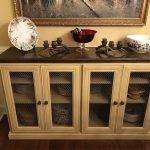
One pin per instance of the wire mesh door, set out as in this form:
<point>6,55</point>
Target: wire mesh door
<point>101,84</point>
<point>61,98</point>
<point>136,107</point>
<point>24,98</point>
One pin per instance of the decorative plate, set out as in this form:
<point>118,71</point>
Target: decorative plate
<point>22,33</point>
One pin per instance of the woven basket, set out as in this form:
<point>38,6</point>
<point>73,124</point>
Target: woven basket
<point>62,114</point>
<point>64,90</point>
<point>24,89</point>
<point>27,115</point>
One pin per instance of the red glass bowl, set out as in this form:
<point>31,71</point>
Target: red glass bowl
<point>86,36</point>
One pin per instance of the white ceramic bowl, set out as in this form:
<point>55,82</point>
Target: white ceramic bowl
<point>139,43</point>
<point>133,117</point>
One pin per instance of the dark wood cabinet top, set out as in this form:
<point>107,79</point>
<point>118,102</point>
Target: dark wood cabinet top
<point>13,55</point>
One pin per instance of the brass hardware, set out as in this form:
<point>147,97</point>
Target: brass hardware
<point>39,102</point>
<point>115,103</point>
<point>122,103</point>
<point>45,102</point>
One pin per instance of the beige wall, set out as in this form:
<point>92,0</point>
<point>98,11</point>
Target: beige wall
<point>51,33</point>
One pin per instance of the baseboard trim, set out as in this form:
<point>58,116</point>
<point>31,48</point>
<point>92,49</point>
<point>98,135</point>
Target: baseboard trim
<point>46,136</point>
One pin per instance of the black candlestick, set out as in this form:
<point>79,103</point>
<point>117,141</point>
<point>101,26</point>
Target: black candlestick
<point>112,44</point>
<point>46,44</point>
<point>119,45</point>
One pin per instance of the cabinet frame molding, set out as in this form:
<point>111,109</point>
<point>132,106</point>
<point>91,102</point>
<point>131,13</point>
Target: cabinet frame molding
<point>10,98</point>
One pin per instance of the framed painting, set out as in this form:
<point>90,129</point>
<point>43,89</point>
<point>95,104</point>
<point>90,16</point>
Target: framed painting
<point>83,12</point>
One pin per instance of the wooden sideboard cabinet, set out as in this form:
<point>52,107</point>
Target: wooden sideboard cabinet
<point>77,101</point>
<point>73,96</point>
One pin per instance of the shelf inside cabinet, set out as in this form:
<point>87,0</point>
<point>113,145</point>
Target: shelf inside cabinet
<point>137,101</point>
<point>27,115</point>
<point>60,80</point>
<point>139,80</point>
<point>16,80</point>
<point>56,98</point>
<point>128,124</point>
<point>27,124</point>
<point>100,80</point>
<point>23,99</point>
<point>95,121</point>
<point>99,98</point>
<point>24,125</point>
<point>55,125</point>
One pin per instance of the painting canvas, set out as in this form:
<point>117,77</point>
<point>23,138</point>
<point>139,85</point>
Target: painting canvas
<point>86,12</point>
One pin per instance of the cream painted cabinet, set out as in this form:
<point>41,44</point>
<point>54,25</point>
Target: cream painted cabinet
<point>78,101</point>
<point>43,98</point>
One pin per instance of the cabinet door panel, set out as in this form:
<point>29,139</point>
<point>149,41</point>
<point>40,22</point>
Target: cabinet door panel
<point>22,90</point>
<point>134,109</point>
<point>62,84</point>
<point>100,97</point>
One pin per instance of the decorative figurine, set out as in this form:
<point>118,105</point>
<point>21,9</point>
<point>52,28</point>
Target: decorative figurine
<point>54,44</point>
<point>112,44</point>
<point>105,51</point>
<point>57,49</point>
<point>102,48</point>
<point>119,45</point>
<point>104,43</point>
<point>76,31</point>
<point>46,44</point>
<point>59,41</point>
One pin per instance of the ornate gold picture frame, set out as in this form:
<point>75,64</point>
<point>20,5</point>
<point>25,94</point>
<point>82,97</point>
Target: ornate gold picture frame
<point>83,12</point>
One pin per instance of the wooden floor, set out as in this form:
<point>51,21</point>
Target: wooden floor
<point>6,144</point>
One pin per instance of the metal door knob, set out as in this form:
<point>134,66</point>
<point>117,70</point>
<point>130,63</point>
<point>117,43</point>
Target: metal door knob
<point>39,102</point>
<point>115,103</point>
<point>46,103</point>
<point>122,103</point>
